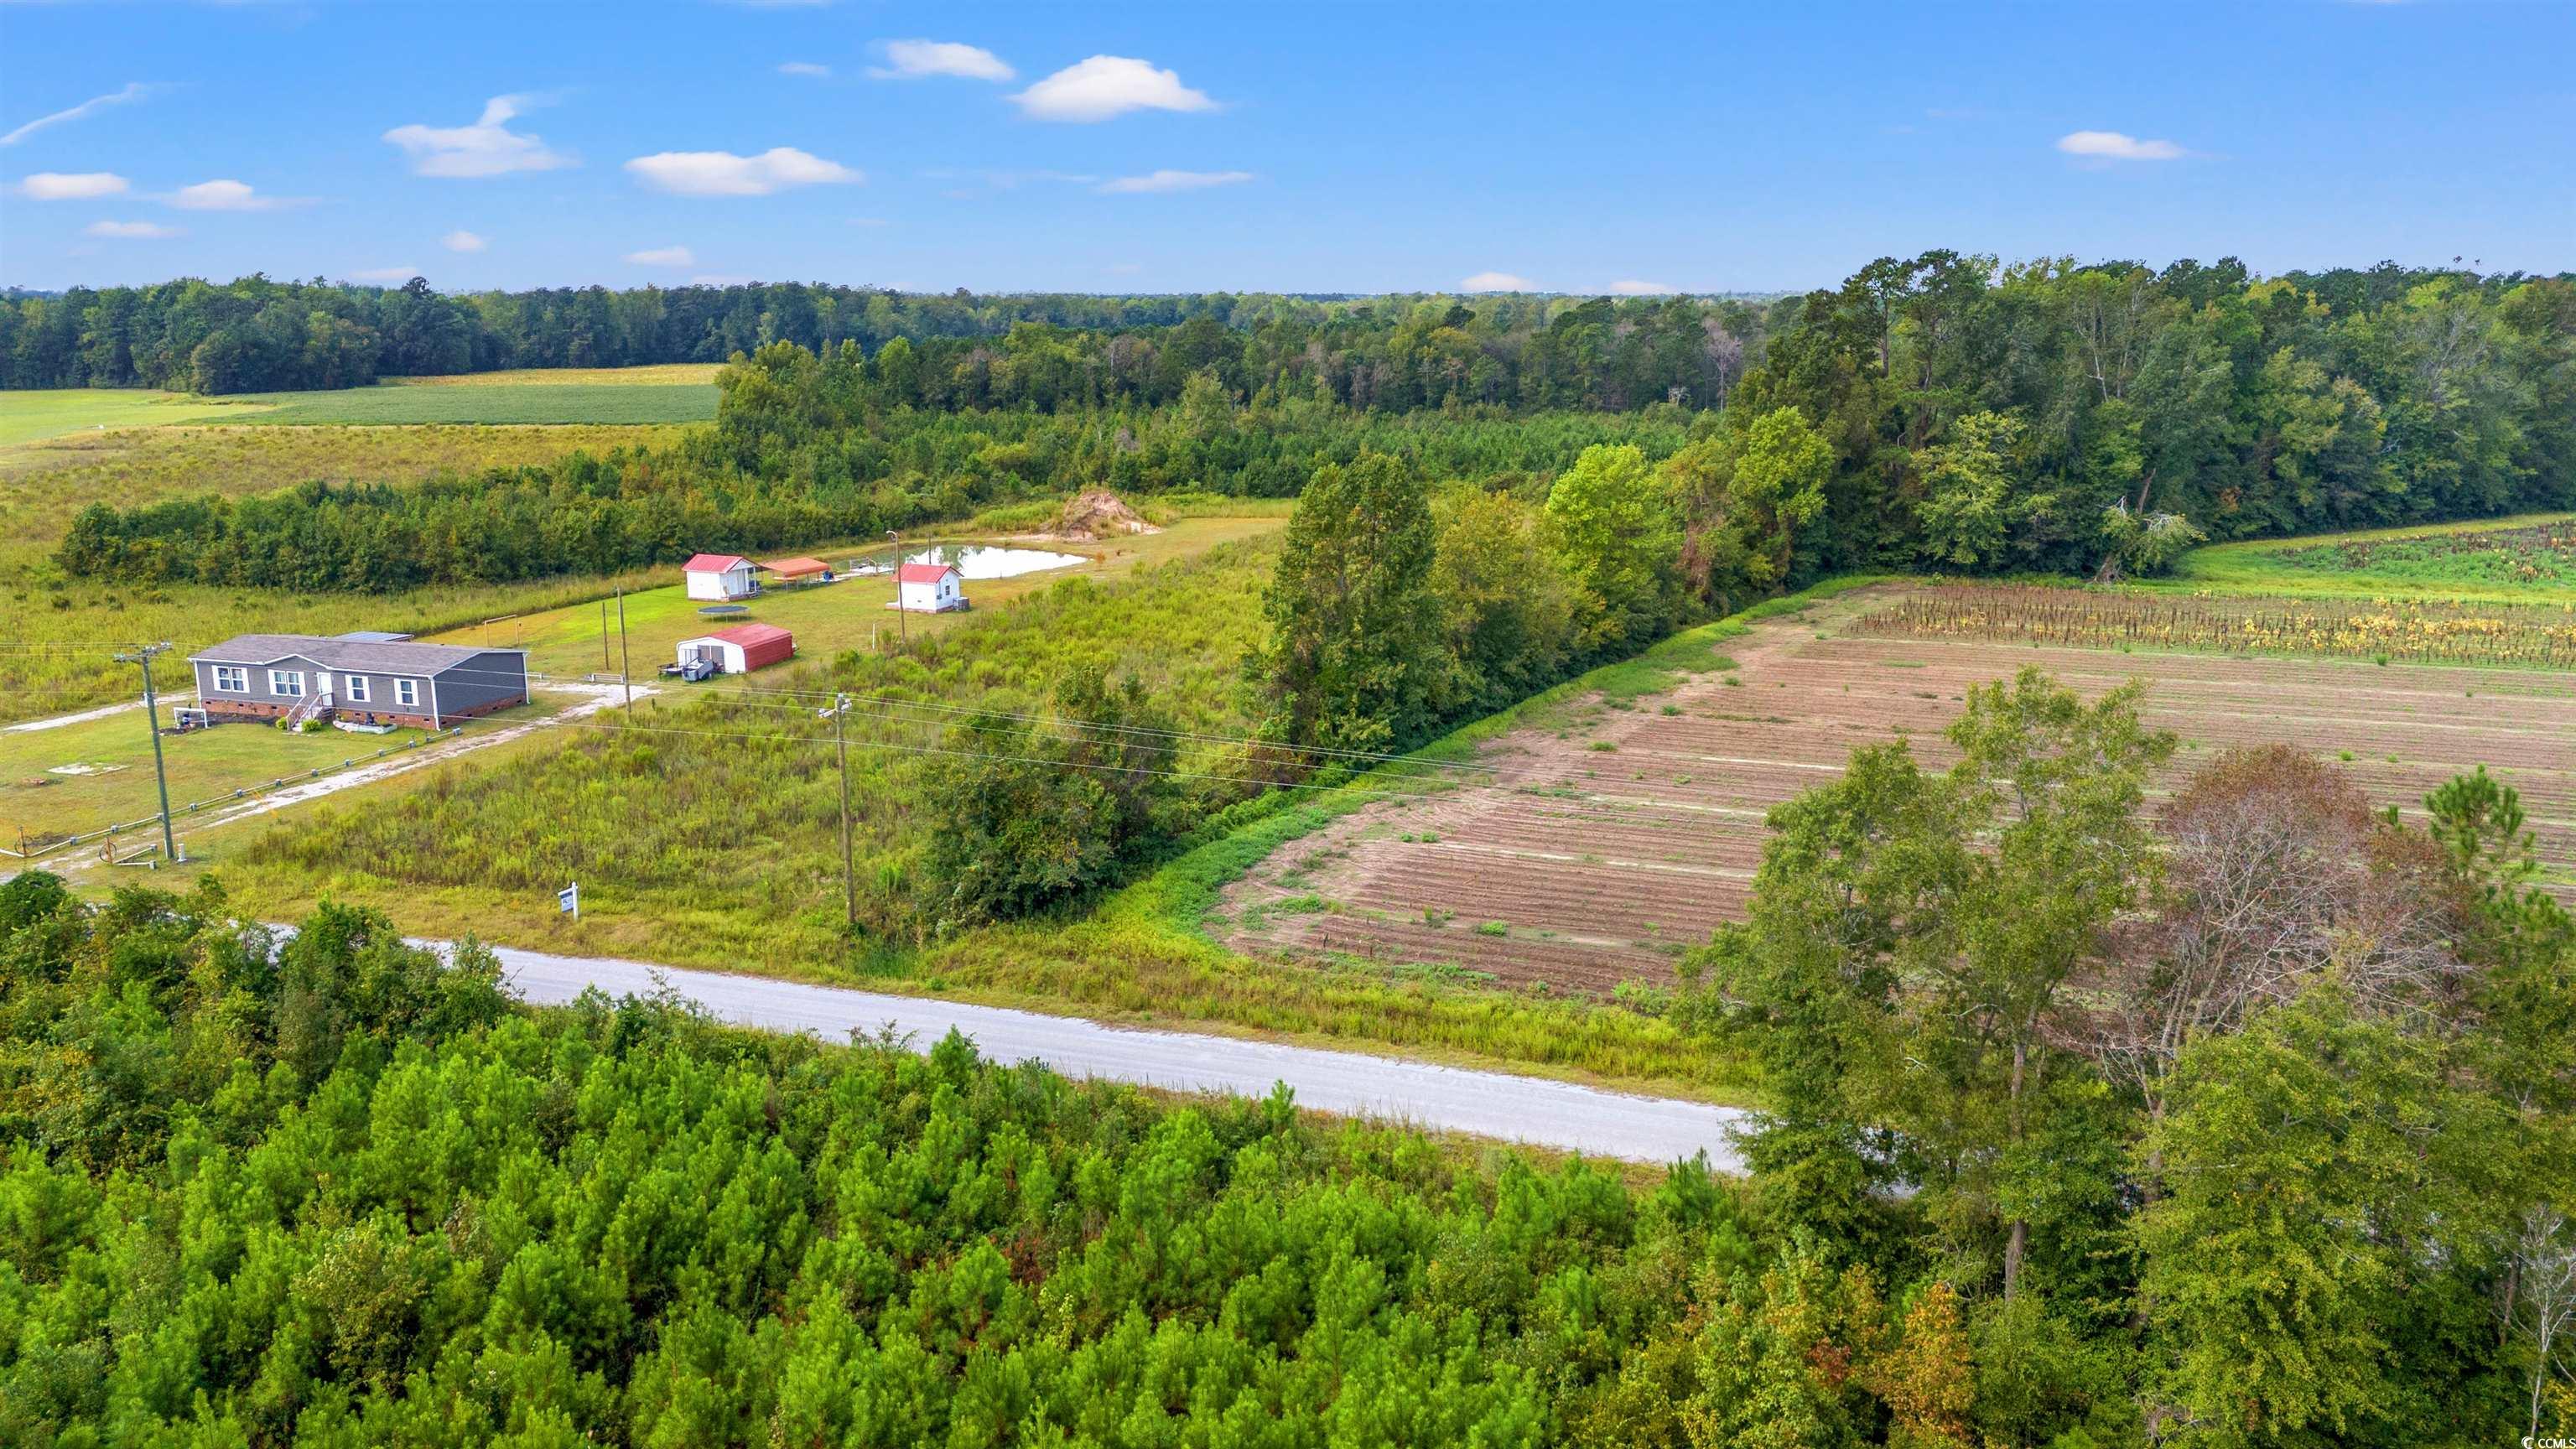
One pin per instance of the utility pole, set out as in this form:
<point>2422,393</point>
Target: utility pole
<point>152,722</point>
<point>900,621</point>
<point>841,739</point>
<point>625,669</point>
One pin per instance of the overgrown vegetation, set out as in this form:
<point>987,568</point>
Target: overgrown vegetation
<point>2417,631</point>
<point>2243,1124</point>
<point>2257,1125</point>
<point>714,820</point>
<point>2516,559</point>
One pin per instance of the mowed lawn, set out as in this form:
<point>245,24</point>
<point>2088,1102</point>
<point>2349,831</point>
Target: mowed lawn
<point>110,764</point>
<point>827,619</point>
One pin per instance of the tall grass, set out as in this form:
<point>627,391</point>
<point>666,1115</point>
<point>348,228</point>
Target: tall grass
<point>2531,558</point>
<point>712,822</point>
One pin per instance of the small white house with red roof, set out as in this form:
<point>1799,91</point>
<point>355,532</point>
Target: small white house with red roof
<point>929,588</point>
<point>720,576</point>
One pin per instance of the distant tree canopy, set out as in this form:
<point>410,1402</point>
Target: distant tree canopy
<point>1047,350</point>
<point>1940,413</point>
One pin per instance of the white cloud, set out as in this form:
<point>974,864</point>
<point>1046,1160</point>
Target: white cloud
<point>1497,282</point>
<point>1630,287</point>
<point>913,59</point>
<point>385,274</point>
<point>223,195</point>
<point>71,186</point>
<point>461,240</point>
<point>807,69</point>
<point>722,173</point>
<point>1106,86</point>
<point>131,230</point>
<point>2114,146</point>
<point>134,91</point>
<point>486,148</point>
<point>664,257</point>
<point>1172,181</point>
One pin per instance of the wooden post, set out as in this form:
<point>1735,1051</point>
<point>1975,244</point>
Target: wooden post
<point>152,722</point>
<point>841,739</point>
<point>901,623</point>
<point>625,665</point>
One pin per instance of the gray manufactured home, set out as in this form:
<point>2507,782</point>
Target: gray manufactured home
<point>368,678</point>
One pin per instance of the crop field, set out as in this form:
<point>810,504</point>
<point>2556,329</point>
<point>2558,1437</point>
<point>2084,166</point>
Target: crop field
<point>44,484</point>
<point>2416,631</point>
<point>1612,838</point>
<point>470,401</point>
<point>674,393</point>
<point>27,415</point>
<point>2529,558</point>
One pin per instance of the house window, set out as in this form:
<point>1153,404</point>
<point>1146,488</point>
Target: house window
<point>286,683</point>
<point>355,687</point>
<point>232,679</point>
<point>407,693</point>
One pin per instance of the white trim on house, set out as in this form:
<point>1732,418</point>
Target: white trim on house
<point>286,683</point>
<point>233,678</point>
<point>407,693</point>
<point>354,686</point>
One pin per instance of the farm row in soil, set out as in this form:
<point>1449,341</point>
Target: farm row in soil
<point>1581,866</point>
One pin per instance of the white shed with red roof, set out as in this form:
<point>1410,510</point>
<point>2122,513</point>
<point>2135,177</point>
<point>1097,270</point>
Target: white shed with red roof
<point>742,648</point>
<point>930,588</point>
<point>720,576</point>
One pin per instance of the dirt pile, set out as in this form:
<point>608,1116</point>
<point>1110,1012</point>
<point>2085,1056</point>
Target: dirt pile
<point>1097,514</point>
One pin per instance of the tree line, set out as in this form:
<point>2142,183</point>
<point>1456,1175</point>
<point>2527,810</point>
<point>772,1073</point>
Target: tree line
<point>2252,1113</point>
<point>1390,353</point>
<point>2093,420</point>
<point>755,483</point>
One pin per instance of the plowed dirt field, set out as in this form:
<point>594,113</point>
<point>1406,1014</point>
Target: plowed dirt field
<point>1609,839</point>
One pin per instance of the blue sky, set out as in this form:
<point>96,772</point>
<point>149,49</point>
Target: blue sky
<point>1309,147</point>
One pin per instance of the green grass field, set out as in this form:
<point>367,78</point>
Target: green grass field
<point>832,618</point>
<point>494,403</point>
<point>87,776</point>
<point>28,415</point>
<point>2526,559</point>
<point>678,393</point>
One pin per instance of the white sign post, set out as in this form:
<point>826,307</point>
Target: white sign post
<point>569,900</point>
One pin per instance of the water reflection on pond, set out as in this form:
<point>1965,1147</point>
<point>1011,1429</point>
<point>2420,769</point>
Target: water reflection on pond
<point>988,561</point>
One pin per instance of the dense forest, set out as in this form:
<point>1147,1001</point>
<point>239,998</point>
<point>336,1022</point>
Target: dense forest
<point>1977,419</point>
<point>2095,1139</point>
<point>256,335</point>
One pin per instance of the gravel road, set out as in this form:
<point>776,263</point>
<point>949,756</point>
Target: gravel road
<point>1485,1104</point>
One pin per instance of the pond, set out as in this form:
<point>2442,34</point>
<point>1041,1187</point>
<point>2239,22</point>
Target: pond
<point>987,561</point>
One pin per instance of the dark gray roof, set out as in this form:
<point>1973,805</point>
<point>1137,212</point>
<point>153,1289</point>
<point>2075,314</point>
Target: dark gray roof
<point>366,656</point>
<point>372,636</point>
